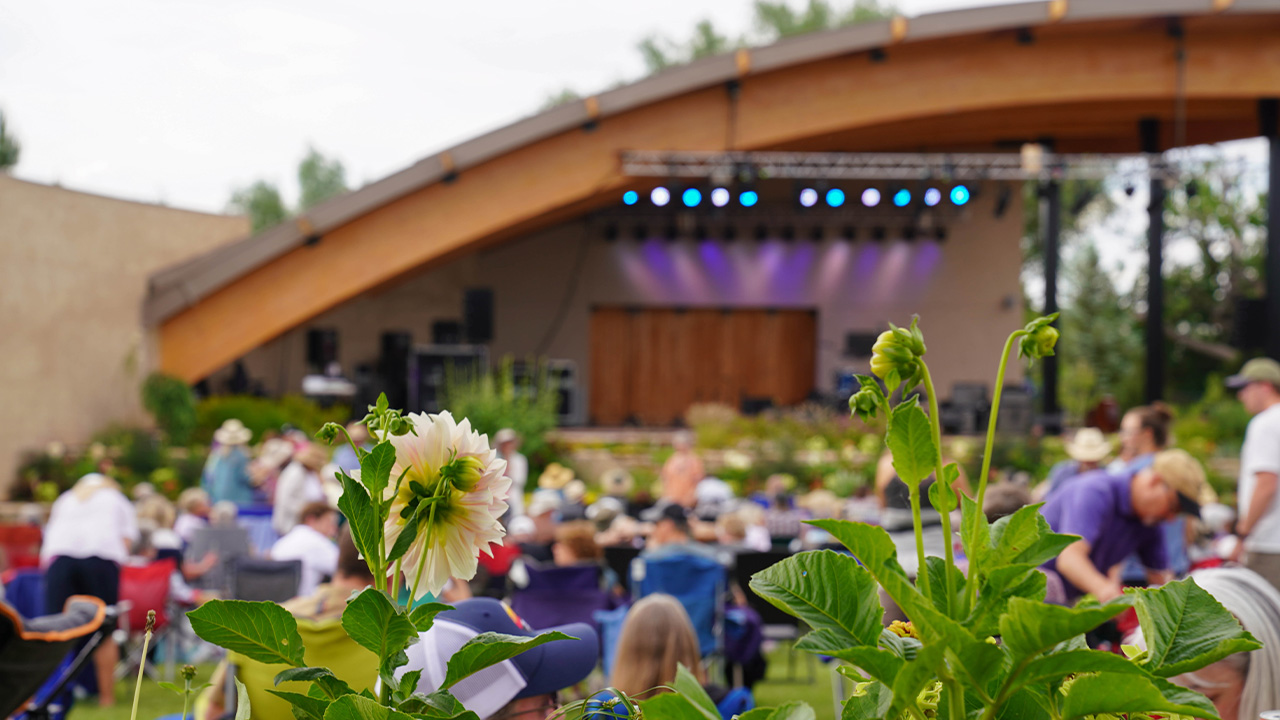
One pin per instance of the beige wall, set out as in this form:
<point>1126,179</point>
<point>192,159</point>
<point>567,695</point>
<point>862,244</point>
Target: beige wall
<point>73,272</point>
<point>966,291</point>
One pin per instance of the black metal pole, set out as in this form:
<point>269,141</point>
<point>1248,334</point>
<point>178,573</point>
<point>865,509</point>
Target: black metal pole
<point>1268,121</point>
<point>1051,222</point>
<point>1149,130</point>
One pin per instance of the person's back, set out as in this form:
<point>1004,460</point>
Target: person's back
<point>311,542</point>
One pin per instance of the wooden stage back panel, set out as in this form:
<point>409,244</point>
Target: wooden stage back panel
<point>649,365</point>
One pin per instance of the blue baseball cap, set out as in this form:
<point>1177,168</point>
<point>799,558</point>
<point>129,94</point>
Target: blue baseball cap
<point>542,670</point>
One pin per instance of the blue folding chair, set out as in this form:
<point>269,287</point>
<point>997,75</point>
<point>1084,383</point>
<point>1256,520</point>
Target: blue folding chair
<point>25,592</point>
<point>697,582</point>
<point>552,596</point>
<point>610,624</point>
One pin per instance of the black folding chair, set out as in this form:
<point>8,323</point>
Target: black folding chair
<point>31,651</point>
<point>274,580</point>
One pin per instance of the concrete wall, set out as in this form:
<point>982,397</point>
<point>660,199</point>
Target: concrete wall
<point>73,272</point>
<point>966,291</point>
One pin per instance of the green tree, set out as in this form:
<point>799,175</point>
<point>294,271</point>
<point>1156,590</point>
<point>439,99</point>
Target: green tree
<point>261,201</point>
<point>556,99</point>
<point>319,178</point>
<point>660,53</point>
<point>9,147</point>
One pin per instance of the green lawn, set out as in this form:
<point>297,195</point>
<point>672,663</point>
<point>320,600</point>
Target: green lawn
<point>783,684</point>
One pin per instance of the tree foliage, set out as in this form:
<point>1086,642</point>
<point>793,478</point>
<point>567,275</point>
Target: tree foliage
<point>319,178</point>
<point>9,147</point>
<point>261,201</point>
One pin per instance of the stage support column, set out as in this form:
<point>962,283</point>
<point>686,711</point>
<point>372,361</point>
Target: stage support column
<point>1268,121</point>
<point>1051,222</point>
<point>1149,131</point>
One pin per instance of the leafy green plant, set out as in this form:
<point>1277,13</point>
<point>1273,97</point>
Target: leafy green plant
<point>172,404</point>
<point>493,401</point>
<point>947,662</point>
<point>263,414</point>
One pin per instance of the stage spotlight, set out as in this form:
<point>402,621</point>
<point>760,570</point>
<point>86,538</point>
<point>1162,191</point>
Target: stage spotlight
<point>877,233</point>
<point>902,197</point>
<point>671,233</point>
<point>835,197</point>
<point>660,196</point>
<point>730,233</point>
<point>808,197</point>
<point>960,195</point>
<point>610,232</point>
<point>640,233</point>
<point>691,197</point>
<point>871,197</point>
<point>720,197</point>
<point>630,197</point>
<point>788,232</point>
<point>816,233</point>
<point>762,232</point>
<point>849,232</point>
<point>749,198</point>
<point>932,196</point>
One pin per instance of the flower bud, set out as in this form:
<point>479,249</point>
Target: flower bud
<point>463,473</point>
<point>328,433</point>
<point>895,357</point>
<point>188,672</point>
<point>151,620</point>
<point>863,404</point>
<point>1040,338</point>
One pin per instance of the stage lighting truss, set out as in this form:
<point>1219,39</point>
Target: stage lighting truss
<point>944,167</point>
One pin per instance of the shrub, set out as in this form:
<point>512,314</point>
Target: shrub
<point>493,401</point>
<point>262,414</point>
<point>172,404</point>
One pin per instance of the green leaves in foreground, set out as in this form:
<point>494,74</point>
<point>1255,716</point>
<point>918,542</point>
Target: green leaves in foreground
<point>1186,629</point>
<point>492,648</point>
<point>1111,693</point>
<point>829,591</point>
<point>262,631</point>
<point>379,627</point>
<point>910,440</point>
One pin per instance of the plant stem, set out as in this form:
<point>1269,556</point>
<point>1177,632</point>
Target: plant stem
<point>935,424</point>
<point>422,562</point>
<point>142,666</point>
<point>972,585</point>
<point>186,699</point>
<point>922,573</point>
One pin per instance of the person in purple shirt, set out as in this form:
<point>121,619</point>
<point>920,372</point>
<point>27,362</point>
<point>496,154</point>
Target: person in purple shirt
<point>1119,514</point>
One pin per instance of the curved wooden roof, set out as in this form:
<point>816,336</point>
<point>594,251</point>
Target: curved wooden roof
<point>1081,72</point>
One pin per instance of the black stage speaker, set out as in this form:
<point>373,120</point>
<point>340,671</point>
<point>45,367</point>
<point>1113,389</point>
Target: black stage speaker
<point>477,315</point>
<point>322,348</point>
<point>394,367</point>
<point>446,332</point>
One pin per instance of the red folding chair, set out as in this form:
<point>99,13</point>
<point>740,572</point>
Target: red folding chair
<point>19,546</point>
<point>144,588</point>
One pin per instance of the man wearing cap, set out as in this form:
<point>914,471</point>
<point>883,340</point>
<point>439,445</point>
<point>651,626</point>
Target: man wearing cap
<point>1118,514</point>
<point>1258,387</point>
<point>525,686</point>
<point>671,536</point>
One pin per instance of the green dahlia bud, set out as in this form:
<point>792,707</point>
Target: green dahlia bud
<point>328,433</point>
<point>1040,338</point>
<point>463,473</point>
<point>895,357</point>
<point>863,404</point>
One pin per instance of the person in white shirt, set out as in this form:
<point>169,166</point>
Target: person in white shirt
<point>298,485</point>
<point>508,444</point>
<point>1258,387</point>
<point>312,542</point>
<point>91,528</point>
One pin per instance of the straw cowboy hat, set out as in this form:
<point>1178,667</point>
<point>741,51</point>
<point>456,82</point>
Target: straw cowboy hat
<point>555,477</point>
<point>1088,445</point>
<point>232,432</point>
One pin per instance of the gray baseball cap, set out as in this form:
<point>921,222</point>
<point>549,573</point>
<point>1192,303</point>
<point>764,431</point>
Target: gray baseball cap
<point>1262,369</point>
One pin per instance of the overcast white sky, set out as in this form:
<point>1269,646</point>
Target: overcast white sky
<point>180,101</point>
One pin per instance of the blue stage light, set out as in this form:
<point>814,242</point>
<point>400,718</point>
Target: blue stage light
<point>871,197</point>
<point>630,197</point>
<point>835,197</point>
<point>932,196</point>
<point>960,195</point>
<point>720,197</point>
<point>749,198</point>
<point>660,196</point>
<point>902,198</point>
<point>691,197</point>
<point>808,197</point>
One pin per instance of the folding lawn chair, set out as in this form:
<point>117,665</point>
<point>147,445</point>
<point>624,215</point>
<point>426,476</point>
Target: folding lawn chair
<point>144,588</point>
<point>552,596</point>
<point>31,651</point>
<point>697,582</point>
<point>274,580</point>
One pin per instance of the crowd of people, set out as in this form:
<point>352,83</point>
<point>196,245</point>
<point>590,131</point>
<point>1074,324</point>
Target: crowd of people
<point>1144,516</point>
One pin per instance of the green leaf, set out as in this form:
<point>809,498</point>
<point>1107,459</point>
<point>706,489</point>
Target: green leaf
<point>375,468</point>
<point>1026,704</point>
<point>261,631</point>
<point>827,590</point>
<point>381,405</point>
<point>404,540</point>
<point>243,710</point>
<point>437,705</point>
<point>1003,584</point>
<point>1029,627</point>
<point>362,517</point>
<point>1025,538</point>
<point>1186,628</point>
<point>910,440</point>
<point>671,706</point>
<point>424,616</point>
<point>303,674</point>
<point>877,663</point>
<point>872,704</point>
<point>355,707</point>
<point>913,678</point>
<point>378,626</point>
<point>938,568</point>
<point>985,664</point>
<point>1055,667</point>
<point>793,710</point>
<point>942,497</point>
<point>1111,692</point>
<point>492,648</point>
<point>689,687</point>
<point>975,534</point>
<point>304,706</point>
<point>172,688</point>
